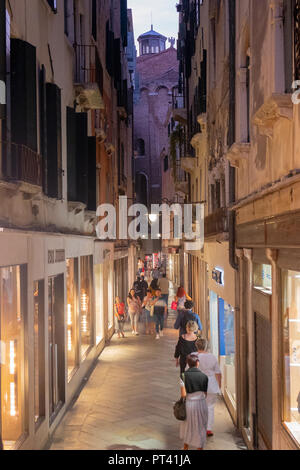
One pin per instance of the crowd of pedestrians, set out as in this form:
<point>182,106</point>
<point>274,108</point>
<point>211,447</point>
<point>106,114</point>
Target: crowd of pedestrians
<point>200,374</point>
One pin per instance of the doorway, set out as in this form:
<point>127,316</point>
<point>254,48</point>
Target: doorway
<point>56,332</point>
<point>263,366</point>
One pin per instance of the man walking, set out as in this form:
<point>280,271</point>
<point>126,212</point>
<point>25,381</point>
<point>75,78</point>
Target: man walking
<point>160,309</point>
<point>138,288</point>
<point>185,316</point>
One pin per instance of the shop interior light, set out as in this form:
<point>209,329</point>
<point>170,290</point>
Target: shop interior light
<point>69,315</point>
<point>12,389</point>
<point>12,356</point>
<point>84,309</point>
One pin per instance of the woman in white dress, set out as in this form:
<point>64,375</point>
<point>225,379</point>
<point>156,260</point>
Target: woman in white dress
<point>208,364</point>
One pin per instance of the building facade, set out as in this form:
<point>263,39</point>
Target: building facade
<point>65,147</point>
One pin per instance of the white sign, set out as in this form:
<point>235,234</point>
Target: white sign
<point>2,92</point>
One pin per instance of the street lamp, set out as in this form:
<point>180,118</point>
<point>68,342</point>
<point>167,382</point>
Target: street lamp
<point>153,217</point>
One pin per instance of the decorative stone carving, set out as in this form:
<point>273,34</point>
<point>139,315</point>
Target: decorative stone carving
<point>278,106</point>
<point>237,152</point>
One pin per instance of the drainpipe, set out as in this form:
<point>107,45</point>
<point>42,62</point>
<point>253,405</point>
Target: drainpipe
<point>2,59</point>
<point>231,139</point>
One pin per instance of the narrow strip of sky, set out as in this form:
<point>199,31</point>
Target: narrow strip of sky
<point>164,17</point>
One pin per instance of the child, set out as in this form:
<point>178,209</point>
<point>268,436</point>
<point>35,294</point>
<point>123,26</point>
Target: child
<point>121,316</point>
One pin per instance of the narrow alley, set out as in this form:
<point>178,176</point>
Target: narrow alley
<point>127,402</point>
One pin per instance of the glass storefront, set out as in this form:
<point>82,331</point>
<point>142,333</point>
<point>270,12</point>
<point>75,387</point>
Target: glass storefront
<point>291,349</point>
<point>12,353</point>
<point>72,302</point>
<point>39,351</point>
<point>99,303</point>
<point>86,290</point>
<point>229,341</point>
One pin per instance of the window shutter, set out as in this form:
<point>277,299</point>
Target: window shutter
<point>54,145</point>
<point>43,124</point>
<point>71,154</point>
<point>82,158</point>
<point>92,196</point>
<point>23,94</point>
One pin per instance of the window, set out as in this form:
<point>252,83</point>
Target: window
<point>166,163</point>
<point>39,351</point>
<point>262,279</point>
<point>94,19</point>
<point>12,353</point>
<point>291,351</point>
<point>141,147</point>
<point>99,303</point>
<point>86,289</point>
<point>53,5</point>
<point>56,344</point>
<point>72,302</point>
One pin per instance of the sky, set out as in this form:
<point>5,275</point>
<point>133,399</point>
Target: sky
<point>164,14</point>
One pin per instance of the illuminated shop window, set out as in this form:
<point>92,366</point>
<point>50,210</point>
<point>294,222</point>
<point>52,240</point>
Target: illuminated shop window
<point>262,278</point>
<point>86,289</point>
<point>39,351</point>
<point>12,353</point>
<point>72,301</point>
<point>291,350</point>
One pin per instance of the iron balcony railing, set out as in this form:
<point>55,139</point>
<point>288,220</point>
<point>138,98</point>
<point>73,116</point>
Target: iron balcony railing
<point>216,223</point>
<point>20,163</point>
<point>88,68</point>
<point>177,100</point>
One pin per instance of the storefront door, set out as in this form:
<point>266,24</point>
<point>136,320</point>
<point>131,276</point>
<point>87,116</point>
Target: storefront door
<point>56,344</point>
<point>263,361</point>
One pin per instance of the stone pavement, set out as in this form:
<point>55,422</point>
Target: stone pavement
<point>127,402</point>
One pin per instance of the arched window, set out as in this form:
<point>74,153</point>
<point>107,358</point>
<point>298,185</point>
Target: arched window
<point>141,188</point>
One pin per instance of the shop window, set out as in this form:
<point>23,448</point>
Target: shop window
<point>56,343</point>
<point>262,278</point>
<point>229,349</point>
<point>110,296</point>
<point>72,302</point>
<point>86,289</point>
<point>39,351</point>
<point>99,303</point>
<point>13,303</point>
<point>291,351</point>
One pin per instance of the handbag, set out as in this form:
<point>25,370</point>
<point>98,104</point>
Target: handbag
<point>174,305</point>
<point>180,409</point>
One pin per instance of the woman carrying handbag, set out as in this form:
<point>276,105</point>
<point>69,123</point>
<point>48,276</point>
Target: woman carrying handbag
<point>194,390</point>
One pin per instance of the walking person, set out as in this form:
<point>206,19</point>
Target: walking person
<point>121,316</point>
<point>138,288</point>
<point>154,286</point>
<point>147,307</point>
<point>144,286</point>
<point>181,298</point>
<point>186,345</point>
<point>164,285</point>
<point>194,387</point>
<point>159,311</point>
<point>140,266</point>
<point>186,315</point>
<point>134,310</point>
<point>208,364</point>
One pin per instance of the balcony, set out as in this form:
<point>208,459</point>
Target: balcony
<point>88,77</point>
<point>21,164</point>
<point>179,111</point>
<point>181,183</point>
<point>216,223</point>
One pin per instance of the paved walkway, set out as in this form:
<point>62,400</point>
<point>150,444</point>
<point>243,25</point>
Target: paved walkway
<point>127,402</point>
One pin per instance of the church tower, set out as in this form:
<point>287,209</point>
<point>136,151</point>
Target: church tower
<point>152,42</point>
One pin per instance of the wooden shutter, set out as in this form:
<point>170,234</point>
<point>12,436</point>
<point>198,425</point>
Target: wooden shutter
<point>23,94</point>
<point>71,154</point>
<point>92,196</point>
<point>82,152</point>
<point>54,146</point>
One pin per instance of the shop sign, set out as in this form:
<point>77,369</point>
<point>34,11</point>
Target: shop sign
<point>218,276</point>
